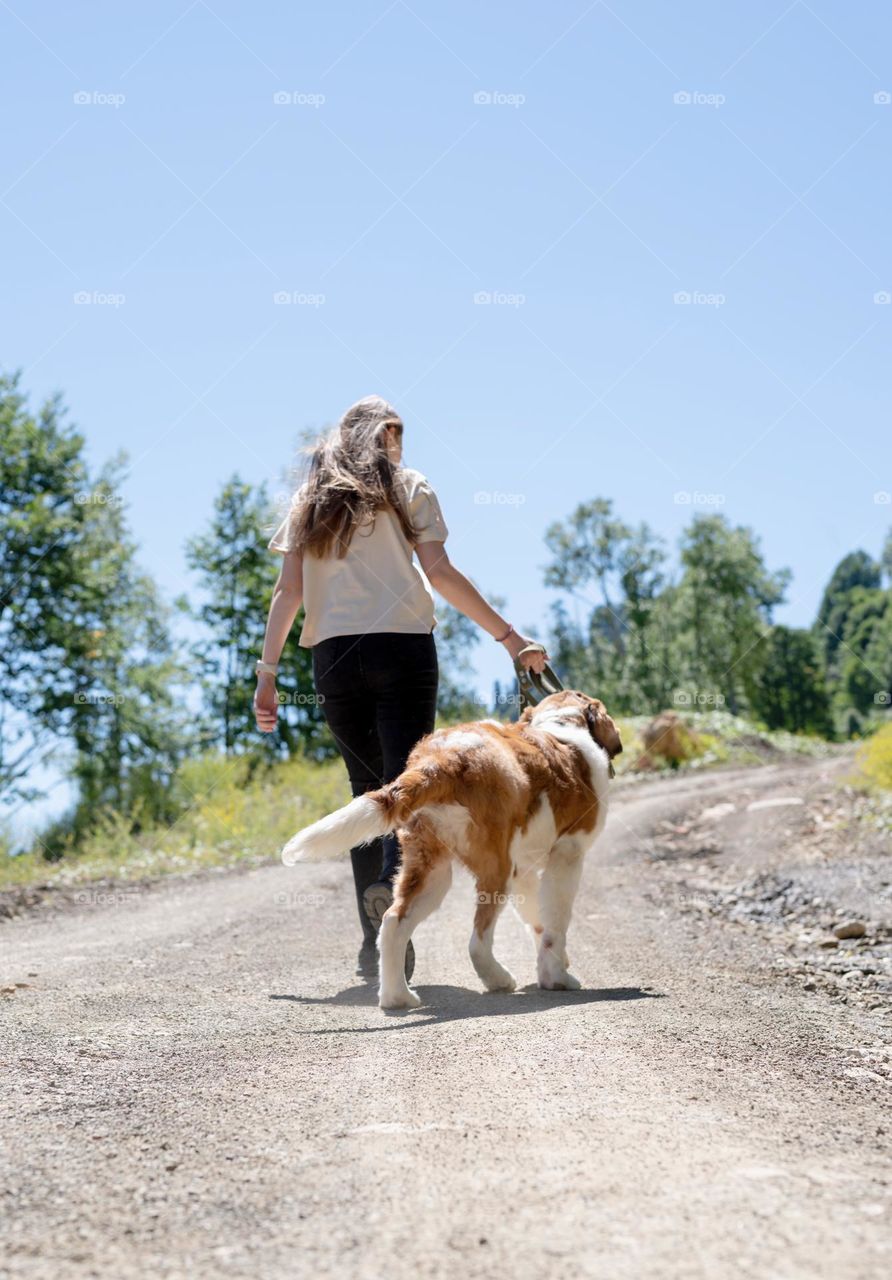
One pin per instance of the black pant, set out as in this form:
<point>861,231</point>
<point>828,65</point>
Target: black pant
<point>379,698</point>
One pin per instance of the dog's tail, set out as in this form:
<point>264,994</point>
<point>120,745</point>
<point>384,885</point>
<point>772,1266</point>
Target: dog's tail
<point>377,813</point>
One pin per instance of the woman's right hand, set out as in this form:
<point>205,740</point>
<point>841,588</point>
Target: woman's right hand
<point>535,661</point>
<point>266,703</point>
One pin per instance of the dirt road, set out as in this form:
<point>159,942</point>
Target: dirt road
<point>197,1085</point>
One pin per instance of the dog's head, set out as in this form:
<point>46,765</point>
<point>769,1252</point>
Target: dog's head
<point>572,707</point>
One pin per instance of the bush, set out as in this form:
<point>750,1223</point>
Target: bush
<point>874,759</point>
<point>229,810</point>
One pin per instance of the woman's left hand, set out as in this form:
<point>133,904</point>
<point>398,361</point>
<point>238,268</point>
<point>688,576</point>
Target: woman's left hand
<point>266,703</point>
<point>535,661</point>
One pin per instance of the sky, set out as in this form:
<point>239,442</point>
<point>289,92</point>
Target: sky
<point>633,250</point>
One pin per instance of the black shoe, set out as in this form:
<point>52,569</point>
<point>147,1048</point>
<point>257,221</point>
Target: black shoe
<point>367,961</point>
<point>376,899</point>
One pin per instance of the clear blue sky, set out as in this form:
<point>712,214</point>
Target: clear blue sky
<point>581,194</point>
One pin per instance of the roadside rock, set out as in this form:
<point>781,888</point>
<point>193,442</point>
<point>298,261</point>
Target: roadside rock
<point>851,929</point>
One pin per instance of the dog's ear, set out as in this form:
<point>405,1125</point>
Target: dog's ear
<point>526,715</point>
<point>602,728</point>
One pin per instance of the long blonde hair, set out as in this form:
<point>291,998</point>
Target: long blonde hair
<point>350,478</point>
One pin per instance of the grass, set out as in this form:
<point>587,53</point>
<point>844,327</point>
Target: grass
<point>225,819</point>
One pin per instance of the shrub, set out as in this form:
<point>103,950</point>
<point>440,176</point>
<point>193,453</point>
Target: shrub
<point>874,759</point>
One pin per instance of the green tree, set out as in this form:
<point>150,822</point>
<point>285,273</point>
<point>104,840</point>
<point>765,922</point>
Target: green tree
<point>42,476</point>
<point>236,574</point>
<point>586,552</point>
<point>865,663</point>
<point>786,689</point>
<point>456,636</point>
<point>886,558</point>
<point>86,661</point>
<point>621,651</point>
<point>725,599</point>
<point>127,722</point>
<point>856,571</point>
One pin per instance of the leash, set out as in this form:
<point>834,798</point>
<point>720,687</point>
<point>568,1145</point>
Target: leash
<point>534,686</point>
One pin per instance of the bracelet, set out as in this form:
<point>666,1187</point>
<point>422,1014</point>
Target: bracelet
<point>502,639</point>
<point>266,668</point>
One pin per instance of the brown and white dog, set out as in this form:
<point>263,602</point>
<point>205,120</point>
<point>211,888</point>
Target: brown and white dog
<point>519,805</point>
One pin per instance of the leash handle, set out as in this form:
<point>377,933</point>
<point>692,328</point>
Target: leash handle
<point>535,686</point>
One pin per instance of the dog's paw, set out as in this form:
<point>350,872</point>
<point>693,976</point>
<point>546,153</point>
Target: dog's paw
<point>503,981</point>
<point>561,982</point>
<point>399,1000</point>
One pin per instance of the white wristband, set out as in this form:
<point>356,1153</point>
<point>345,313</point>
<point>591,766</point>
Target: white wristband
<point>266,668</point>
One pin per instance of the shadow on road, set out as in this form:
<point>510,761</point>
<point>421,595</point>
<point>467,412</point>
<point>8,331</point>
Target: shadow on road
<point>447,1004</point>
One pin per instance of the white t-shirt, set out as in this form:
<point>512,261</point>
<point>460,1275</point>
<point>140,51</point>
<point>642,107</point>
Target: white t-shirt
<point>376,586</point>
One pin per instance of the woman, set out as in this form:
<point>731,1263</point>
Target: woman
<point>348,545</point>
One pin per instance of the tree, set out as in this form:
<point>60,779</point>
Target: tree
<point>725,599</point>
<point>86,661</point>
<point>456,635</point>
<point>865,664</point>
<point>886,558</point>
<point>586,551</point>
<point>127,723</point>
<point>42,475</point>
<point>236,575</point>
<point>786,689</point>
<point>619,652</point>
<point>855,571</point>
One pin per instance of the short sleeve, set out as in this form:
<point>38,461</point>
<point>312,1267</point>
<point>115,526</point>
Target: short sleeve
<point>283,539</point>
<point>426,514</point>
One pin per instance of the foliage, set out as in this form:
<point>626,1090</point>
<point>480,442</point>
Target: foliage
<point>874,759</point>
<point>236,575</point>
<point>455,637</point>
<point>786,688</point>
<point>647,641</point>
<point>85,656</point>
<point>227,812</point>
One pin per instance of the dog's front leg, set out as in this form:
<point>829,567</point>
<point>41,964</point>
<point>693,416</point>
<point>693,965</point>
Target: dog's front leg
<point>557,893</point>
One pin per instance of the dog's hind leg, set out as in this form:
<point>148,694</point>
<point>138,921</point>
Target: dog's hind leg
<point>557,892</point>
<point>490,901</point>
<point>525,899</point>
<point>422,884</point>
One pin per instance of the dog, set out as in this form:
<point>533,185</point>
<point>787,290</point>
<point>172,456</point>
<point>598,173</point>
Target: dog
<point>519,805</point>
